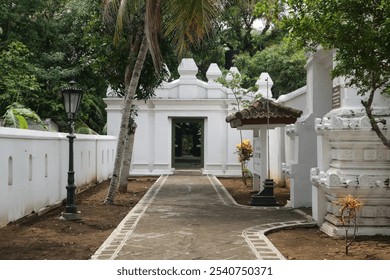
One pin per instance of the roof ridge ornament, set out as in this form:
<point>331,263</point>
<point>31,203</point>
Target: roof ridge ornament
<point>188,68</point>
<point>213,73</point>
<point>265,83</point>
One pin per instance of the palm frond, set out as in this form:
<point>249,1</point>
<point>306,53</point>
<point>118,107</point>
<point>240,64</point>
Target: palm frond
<point>82,128</point>
<point>110,9</point>
<point>188,22</point>
<point>118,13</point>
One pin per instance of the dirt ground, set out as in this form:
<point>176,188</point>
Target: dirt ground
<point>47,237</point>
<point>311,243</point>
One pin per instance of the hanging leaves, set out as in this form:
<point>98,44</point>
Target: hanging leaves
<point>18,116</point>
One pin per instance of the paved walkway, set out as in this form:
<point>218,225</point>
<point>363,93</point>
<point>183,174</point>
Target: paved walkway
<point>194,217</point>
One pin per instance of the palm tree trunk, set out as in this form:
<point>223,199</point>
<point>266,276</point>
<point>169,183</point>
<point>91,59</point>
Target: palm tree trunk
<point>125,120</point>
<point>128,154</point>
<point>129,142</point>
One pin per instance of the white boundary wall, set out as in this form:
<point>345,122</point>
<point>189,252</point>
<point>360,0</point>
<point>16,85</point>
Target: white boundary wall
<point>34,166</point>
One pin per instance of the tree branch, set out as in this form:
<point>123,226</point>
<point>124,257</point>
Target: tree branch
<point>374,125</point>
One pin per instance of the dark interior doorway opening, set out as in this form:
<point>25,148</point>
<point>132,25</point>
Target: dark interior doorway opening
<point>187,143</point>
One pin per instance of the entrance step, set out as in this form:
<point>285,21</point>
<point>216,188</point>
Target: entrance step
<point>188,172</point>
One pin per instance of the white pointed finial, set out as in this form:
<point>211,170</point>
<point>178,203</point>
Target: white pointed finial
<point>187,68</point>
<point>232,71</point>
<point>265,84</point>
<point>213,73</point>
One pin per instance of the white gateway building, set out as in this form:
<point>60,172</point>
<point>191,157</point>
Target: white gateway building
<point>183,126</point>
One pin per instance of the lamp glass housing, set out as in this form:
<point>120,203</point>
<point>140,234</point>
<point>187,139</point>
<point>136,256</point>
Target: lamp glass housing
<point>72,99</point>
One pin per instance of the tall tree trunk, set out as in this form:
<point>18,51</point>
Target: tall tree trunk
<point>129,142</point>
<point>128,154</point>
<point>125,120</point>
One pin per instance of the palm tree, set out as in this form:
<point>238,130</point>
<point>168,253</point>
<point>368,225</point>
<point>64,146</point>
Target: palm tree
<point>183,22</point>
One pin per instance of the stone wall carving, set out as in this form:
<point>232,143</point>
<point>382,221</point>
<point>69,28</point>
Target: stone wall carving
<point>358,164</point>
<point>344,122</point>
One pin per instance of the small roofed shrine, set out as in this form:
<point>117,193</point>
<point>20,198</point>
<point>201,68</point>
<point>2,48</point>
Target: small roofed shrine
<point>264,114</point>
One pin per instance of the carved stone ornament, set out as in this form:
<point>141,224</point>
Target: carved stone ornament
<point>286,168</point>
<point>351,183</point>
<point>322,124</point>
<point>336,123</point>
<point>314,175</point>
<point>365,122</point>
<point>370,155</point>
<point>334,180</point>
<point>373,181</point>
<point>291,130</point>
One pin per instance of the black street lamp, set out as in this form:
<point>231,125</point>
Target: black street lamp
<point>72,99</point>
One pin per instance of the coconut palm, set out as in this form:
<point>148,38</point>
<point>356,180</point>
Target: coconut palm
<point>183,22</point>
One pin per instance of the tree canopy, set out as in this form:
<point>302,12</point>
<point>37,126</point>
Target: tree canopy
<point>249,26</point>
<point>255,41</point>
<point>284,62</point>
<point>359,30</point>
<point>18,76</point>
<point>46,43</point>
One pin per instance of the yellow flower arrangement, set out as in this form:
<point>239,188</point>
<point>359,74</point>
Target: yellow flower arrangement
<point>244,151</point>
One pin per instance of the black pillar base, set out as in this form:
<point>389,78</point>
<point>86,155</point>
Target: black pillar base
<point>266,197</point>
<point>70,216</point>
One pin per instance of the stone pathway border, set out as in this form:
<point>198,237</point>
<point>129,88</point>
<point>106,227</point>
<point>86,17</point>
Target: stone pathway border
<point>114,243</point>
<point>254,236</point>
<point>261,245</point>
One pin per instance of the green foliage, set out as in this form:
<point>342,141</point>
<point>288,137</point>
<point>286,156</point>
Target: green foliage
<point>55,33</point>
<point>270,10</point>
<point>237,30</point>
<point>45,44</point>
<point>359,30</point>
<point>17,75</point>
<point>283,62</point>
<point>83,128</point>
<point>18,116</point>
<point>244,151</point>
<point>234,82</point>
<point>110,57</point>
<point>254,48</point>
<point>187,23</point>
<point>209,51</point>
<point>104,130</point>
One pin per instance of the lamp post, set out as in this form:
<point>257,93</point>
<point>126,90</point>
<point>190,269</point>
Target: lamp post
<point>72,98</point>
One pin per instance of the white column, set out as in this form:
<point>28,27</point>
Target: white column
<point>151,139</point>
<point>114,115</point>
<point>264,153</point>
<point>256,177</point>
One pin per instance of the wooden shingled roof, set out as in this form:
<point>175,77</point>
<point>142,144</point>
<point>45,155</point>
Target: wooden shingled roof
<point>257,114</point>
